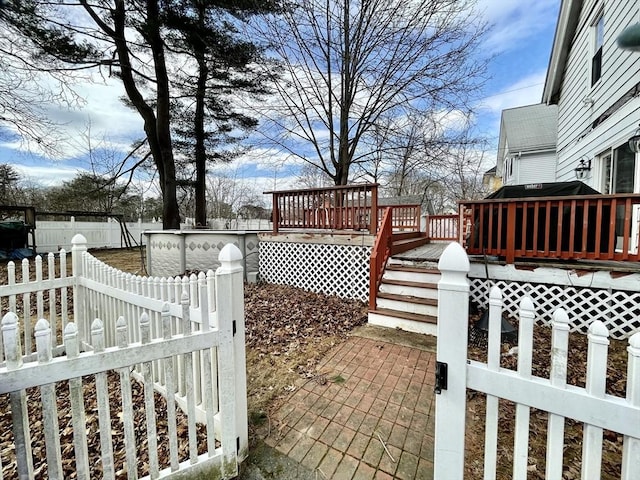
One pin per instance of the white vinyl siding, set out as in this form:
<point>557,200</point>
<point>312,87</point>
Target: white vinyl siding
<point>532,168</point>
<point>537,168</point>
<point>620,72</point>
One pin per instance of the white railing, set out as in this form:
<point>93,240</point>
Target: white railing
<point>591,406</point>
<point>183,337</point>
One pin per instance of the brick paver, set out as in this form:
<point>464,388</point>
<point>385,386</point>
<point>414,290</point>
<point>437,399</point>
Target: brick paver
<point>377,395</point>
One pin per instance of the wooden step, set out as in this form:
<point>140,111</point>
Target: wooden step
<point>414,268</point>
<point>415,317</point>
<point>407,283</point>
<point>409,244</point>
<point>398,236</point>
<point>408,298</point>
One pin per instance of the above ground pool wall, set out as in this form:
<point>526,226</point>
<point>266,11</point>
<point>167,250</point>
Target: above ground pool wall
<point>173,252</point>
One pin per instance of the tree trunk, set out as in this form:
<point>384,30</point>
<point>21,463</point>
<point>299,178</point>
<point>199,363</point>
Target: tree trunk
<point>170,210</point>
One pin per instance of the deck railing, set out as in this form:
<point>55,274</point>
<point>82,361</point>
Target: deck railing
<point>594,227</point>
<point>404,218</point>
<point>346,207</point>
<point>446,227</point>
<point>379,255</point>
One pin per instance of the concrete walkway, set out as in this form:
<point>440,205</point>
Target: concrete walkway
<point>370,412</point>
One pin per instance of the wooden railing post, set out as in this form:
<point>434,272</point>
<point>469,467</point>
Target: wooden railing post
<point>451,400</point>
<point>373,223</point>
<point>511,232</point>
<point>275,214</point>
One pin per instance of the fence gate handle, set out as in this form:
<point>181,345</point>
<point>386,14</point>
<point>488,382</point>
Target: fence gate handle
<point>441,377</point>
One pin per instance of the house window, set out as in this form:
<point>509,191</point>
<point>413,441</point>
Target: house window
<point>598,37</point>
<point>618,170</point>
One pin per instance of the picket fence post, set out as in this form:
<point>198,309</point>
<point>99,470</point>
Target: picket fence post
<point>453,321</point>
<point>78,247</point>
<point>49,404</point>
<point>631,446</point>
<point>595,386</point>
<point>230,307</point>
<point>19,410</point>
<point>558,378</point>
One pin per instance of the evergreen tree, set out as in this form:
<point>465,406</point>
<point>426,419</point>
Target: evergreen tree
<point>149,45</point>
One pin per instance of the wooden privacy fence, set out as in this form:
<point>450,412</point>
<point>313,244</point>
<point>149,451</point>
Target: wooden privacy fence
<point>182,337</point>
<point>591,406</point>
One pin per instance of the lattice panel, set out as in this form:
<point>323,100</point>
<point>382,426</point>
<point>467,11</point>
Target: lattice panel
<point>341,270</point>
<point>618,309</point>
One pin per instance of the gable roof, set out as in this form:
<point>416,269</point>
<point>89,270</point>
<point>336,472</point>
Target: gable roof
<point>568,18</point>
<point>527,129</point>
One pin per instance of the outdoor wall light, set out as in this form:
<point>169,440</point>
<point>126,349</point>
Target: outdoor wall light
<point>583,168</point>
<point>634,142</point>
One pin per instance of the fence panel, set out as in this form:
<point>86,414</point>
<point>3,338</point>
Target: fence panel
<point>585,405</point>
<point>175,349</point>
<point>36,293</point>
<point>46,374</point>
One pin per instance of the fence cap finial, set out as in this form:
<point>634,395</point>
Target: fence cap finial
<point>78,239</point>
<point>10,320</point>
<point>230,258</point>
<point>454,259</point>
<point>598,329</point>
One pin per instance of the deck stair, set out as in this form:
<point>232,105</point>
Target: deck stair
<point>408,296</point>
<point>404,241</point>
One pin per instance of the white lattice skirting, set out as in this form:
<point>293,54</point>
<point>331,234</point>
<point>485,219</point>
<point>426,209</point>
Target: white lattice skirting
<point>618,309</point>
<point>341,270</point>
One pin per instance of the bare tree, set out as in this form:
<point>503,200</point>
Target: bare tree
<point>150,47</point>
<point>347,65</point>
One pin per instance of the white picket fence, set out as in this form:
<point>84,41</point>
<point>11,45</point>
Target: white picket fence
<point>590,405</point>
<point>183,337</point>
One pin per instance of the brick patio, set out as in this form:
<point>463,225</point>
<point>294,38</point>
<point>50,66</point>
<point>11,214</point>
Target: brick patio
<point>371,391</point>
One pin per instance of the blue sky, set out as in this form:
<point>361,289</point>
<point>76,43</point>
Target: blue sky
<point>520,42</point>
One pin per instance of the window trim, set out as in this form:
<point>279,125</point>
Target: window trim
<point>597,46</point>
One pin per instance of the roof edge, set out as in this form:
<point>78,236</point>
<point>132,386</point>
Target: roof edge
<point>568,18</point>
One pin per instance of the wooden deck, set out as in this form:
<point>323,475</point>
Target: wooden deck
<point>426,253</point>
<point>431,252</point>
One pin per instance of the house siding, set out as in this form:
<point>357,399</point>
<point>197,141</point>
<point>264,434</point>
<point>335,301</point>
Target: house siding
<point>620,72</point>
<point>537,168</point>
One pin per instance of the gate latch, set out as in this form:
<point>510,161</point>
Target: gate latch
<point>441,377</point>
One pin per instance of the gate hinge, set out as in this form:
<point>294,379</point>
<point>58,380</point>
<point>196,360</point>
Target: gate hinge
<point>441,377</point>
<point>234,327</point>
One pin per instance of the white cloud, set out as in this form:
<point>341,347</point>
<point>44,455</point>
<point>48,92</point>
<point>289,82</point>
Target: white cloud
<point>514,22</point>
<point>110,122</point>
<point>526,91</point>
<point>48,176</point>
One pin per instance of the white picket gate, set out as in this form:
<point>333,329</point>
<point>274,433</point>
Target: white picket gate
<point>182,337</point>
<point>590,405</point>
